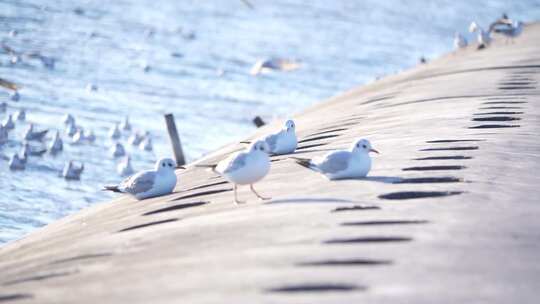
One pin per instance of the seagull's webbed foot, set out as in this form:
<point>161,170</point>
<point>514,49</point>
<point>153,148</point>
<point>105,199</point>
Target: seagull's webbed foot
<point>258,195</point>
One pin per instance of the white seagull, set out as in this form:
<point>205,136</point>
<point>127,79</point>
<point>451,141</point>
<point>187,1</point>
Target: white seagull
<point>91,137</point>
<point>459,41</point>
<point>56,144</point>
<point>146,144</point>
<point>124,168</point>
<point>71,129</point>
<point>483,37</point>
<point>126,126</point>
<point>149,183</point>
<point>69,119</point>
<point>3,107</point>
<point>284,141</point>
<point>342,164</point>
<point>20,115</point>
<point>4,135</point>
<point>28,151</point>
<point>513,30</point>
<point>136,138</point>
<point>30,134</point>
<point>117,150</point>
<point>16,163</point>
<point>72,172</point>
<point>245,167</point>
<point>114,132</point>
<point>8,123</point>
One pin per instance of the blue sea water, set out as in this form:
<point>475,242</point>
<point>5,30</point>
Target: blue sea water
<point>192,59</point>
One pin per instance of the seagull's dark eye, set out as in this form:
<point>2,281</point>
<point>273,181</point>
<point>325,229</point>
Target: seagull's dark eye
<point>163,165</point>
<point>364,146</point>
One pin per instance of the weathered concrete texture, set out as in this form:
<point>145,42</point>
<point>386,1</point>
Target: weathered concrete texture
<point>451,215</point>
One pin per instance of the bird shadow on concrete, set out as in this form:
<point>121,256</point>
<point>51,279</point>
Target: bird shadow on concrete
<point>309,200</point>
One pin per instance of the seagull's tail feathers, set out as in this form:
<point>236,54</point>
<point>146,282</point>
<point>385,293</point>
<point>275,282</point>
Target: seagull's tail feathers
<point>111,188</point>
<point>304,162</point>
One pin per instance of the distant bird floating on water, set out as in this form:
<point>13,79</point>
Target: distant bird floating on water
<point>72,172</point>
<point>4,135</point>
<point>56,144</point>
<point>30,134</point>
<point>16,163</point>
<point>71,129</point>
<point>3,107</point>
<point>117,150</point>
<point>124,168</point>
<point>68,119</point>
<point>8,123</point>
<point>20,115</point>
<point>126,126</point>
<point>28,151</point>
<point>245,167</point>
<point>15,96</point>
<point>136,138</point>
<point>114,132</point>
<point>342,164</point>
<point>146,144</point>
<point>150,183</point>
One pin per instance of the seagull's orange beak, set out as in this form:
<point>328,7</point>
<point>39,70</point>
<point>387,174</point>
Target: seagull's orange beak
<point>373,150</point>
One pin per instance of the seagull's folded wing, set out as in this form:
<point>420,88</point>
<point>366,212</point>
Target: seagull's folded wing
<point>334,162</point>
<point>139,183</point>
<point>233,163</point>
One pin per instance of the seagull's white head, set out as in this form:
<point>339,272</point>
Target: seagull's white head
<point>165,164</point>
<point>290,125</point>
<point>260,146</point>
<point>363,146</point>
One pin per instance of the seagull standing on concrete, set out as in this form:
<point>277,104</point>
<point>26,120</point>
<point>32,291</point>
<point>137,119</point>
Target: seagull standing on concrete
<point>245,168</point>
<point>483,37</point>
<point>150,183</point>
<point>342,164</point>
<point>512,31</point>
<point>284,141</point>
<point>30,134</point>
<point>459,41</point>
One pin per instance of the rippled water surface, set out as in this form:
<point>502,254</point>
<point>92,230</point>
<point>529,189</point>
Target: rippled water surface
<point>192,58</point>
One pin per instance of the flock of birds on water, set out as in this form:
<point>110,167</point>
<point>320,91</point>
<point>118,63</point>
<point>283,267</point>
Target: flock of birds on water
<point>504,26</point>
<point>35,142</point>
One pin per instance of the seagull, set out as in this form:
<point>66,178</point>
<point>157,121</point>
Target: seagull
<point>79,137</point>
<point>136,138</point>
<point>28,151</point>
<point>459,41</point>
<point>124,168</point>
<point>342,164</point>
<point>71,129</point>
<point>30,134</point>
<point>56,144</point>
<point>4,135</point>
<point>16,163</point>
<point>3,107</point>
<point>117,150</point>
<point>8,123</point>
<point>91,137</point>
<point>146,144</point>
<point>245,167</point>
<point>114,132</point>
<point>69,119</point>
<point>20,115</point>
<point>512,31</point>
<point>14,96</point>
<point>483,37</point>
<point>284,141</point>
<point>72,172</point>
<point>149,183</point>
<point>126,126</point>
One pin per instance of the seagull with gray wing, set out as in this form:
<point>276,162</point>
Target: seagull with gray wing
<point>150,183</point>
<point>342,164</point>
<point>245,167</point>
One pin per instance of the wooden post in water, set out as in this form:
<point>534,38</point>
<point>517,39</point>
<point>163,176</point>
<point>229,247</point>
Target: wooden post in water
<point>175,140</point>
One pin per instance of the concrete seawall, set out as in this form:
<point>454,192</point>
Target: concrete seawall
<point>448,215</point>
